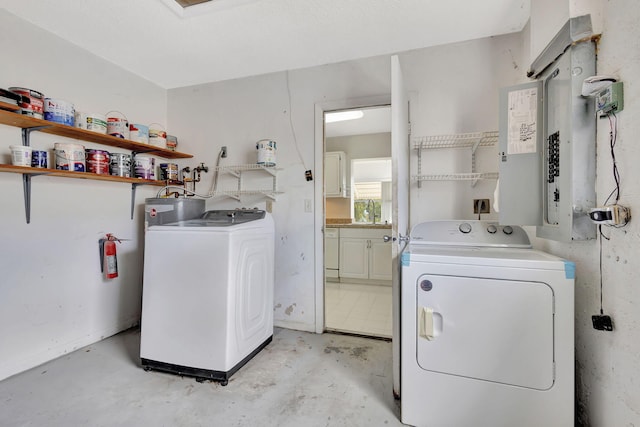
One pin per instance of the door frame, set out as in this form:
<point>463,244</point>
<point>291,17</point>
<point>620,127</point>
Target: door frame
<point>319,200</point>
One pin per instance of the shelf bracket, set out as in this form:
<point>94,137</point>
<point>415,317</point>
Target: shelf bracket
<point>26,177</point>
<point>133,198</point>
<point>420,166</point>
<point>270,170</point>
<point>26,187</point>
<point>26,133</point>
<point>473,159</point>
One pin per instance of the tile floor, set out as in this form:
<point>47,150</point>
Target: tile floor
<point>299,379</point>
<point>356,308</point>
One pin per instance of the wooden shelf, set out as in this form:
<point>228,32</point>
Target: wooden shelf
<point>26,122</point>
<point>7,106</point>
<point>30,124</point>
<point>78,175</point>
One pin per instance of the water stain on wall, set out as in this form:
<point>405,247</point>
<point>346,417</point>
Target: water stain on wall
<point>289,309</point>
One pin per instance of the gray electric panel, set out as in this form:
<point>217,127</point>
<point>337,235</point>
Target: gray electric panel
<point>520,154</point>
<point>569,154</point>
<point>550,182</point>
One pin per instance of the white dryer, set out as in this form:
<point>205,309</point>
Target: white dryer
<point>487,329</point>
<point>207,302</point>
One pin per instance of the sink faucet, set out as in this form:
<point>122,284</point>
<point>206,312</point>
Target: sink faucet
<point>371,207</point>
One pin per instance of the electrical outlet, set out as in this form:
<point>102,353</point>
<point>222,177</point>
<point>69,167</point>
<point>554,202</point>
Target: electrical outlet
<point>307,205</point>
<point>269,206</point>
<point>481,206</point>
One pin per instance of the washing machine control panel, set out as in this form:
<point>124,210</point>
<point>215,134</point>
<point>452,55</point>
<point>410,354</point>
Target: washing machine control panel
<point>469,233</point>
<point>465,228</point>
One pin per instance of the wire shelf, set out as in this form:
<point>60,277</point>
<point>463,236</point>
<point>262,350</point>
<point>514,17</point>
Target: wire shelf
<point>237,194</point>
<point>235,169</point>
<point>456,177</point>
<point>461,140</point>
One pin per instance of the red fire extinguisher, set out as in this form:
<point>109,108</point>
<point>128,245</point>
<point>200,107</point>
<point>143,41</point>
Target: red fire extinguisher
<point>108,257</point>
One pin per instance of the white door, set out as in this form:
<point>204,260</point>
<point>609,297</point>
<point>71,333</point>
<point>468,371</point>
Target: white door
<point>400,196</point>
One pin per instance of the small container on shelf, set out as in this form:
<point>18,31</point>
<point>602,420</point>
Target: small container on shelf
<point>172,142</point>
<point>97,161</point>
<point>143,167</point>
<point>139,133</point>
<point>38,159</point>
<point>120,164</point>
<point>59,111</point>
<point>32,103</point>
<point>21,155</point>
<point>70,157</point>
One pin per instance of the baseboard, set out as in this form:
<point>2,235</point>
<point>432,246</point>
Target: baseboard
<point>296,326</point>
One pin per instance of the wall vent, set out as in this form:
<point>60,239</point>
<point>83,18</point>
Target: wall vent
<point>191,8</point>
<point>187,3</point>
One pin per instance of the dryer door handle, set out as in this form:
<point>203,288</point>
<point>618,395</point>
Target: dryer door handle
<point>430,323</point>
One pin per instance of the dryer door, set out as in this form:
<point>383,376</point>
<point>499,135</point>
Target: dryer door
<point>486,329</point>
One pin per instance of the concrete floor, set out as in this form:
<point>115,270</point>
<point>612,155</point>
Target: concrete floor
<point>300,379</point>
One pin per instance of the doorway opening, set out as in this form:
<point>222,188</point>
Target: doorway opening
<point>357,216</point>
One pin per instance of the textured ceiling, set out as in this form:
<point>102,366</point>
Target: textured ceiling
<point>228,39</point>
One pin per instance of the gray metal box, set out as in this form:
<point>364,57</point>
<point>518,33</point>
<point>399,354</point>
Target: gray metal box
<point>549,179</point>
<point>159,211</point>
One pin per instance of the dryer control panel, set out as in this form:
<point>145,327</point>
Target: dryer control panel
<point>469,233</point>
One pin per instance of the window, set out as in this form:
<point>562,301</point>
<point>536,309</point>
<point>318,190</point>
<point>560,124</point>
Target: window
<point>371,190</point>
<point>367,202</point>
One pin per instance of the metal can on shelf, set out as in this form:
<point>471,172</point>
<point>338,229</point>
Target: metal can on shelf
<point>120,164</point>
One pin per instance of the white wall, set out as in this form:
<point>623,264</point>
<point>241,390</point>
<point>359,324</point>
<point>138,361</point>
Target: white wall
<point>456,89</point>
<point>238,113</point>
<point>53,297</point>
<point>361,146</point>
<point>607,362</point>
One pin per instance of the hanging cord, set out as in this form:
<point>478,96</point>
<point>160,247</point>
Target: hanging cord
<point>613,137</point>
<point>214,182</point>
<point>293,131</point>
<point>607,238</point>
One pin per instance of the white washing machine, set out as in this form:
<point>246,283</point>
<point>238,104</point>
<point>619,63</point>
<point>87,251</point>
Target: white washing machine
<point>207,302</point>
<point>487,336</point>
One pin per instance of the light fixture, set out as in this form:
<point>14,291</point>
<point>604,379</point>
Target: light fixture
<point>340,116</point>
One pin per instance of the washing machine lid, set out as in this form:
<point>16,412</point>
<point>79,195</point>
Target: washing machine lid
<point>222,218</point>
